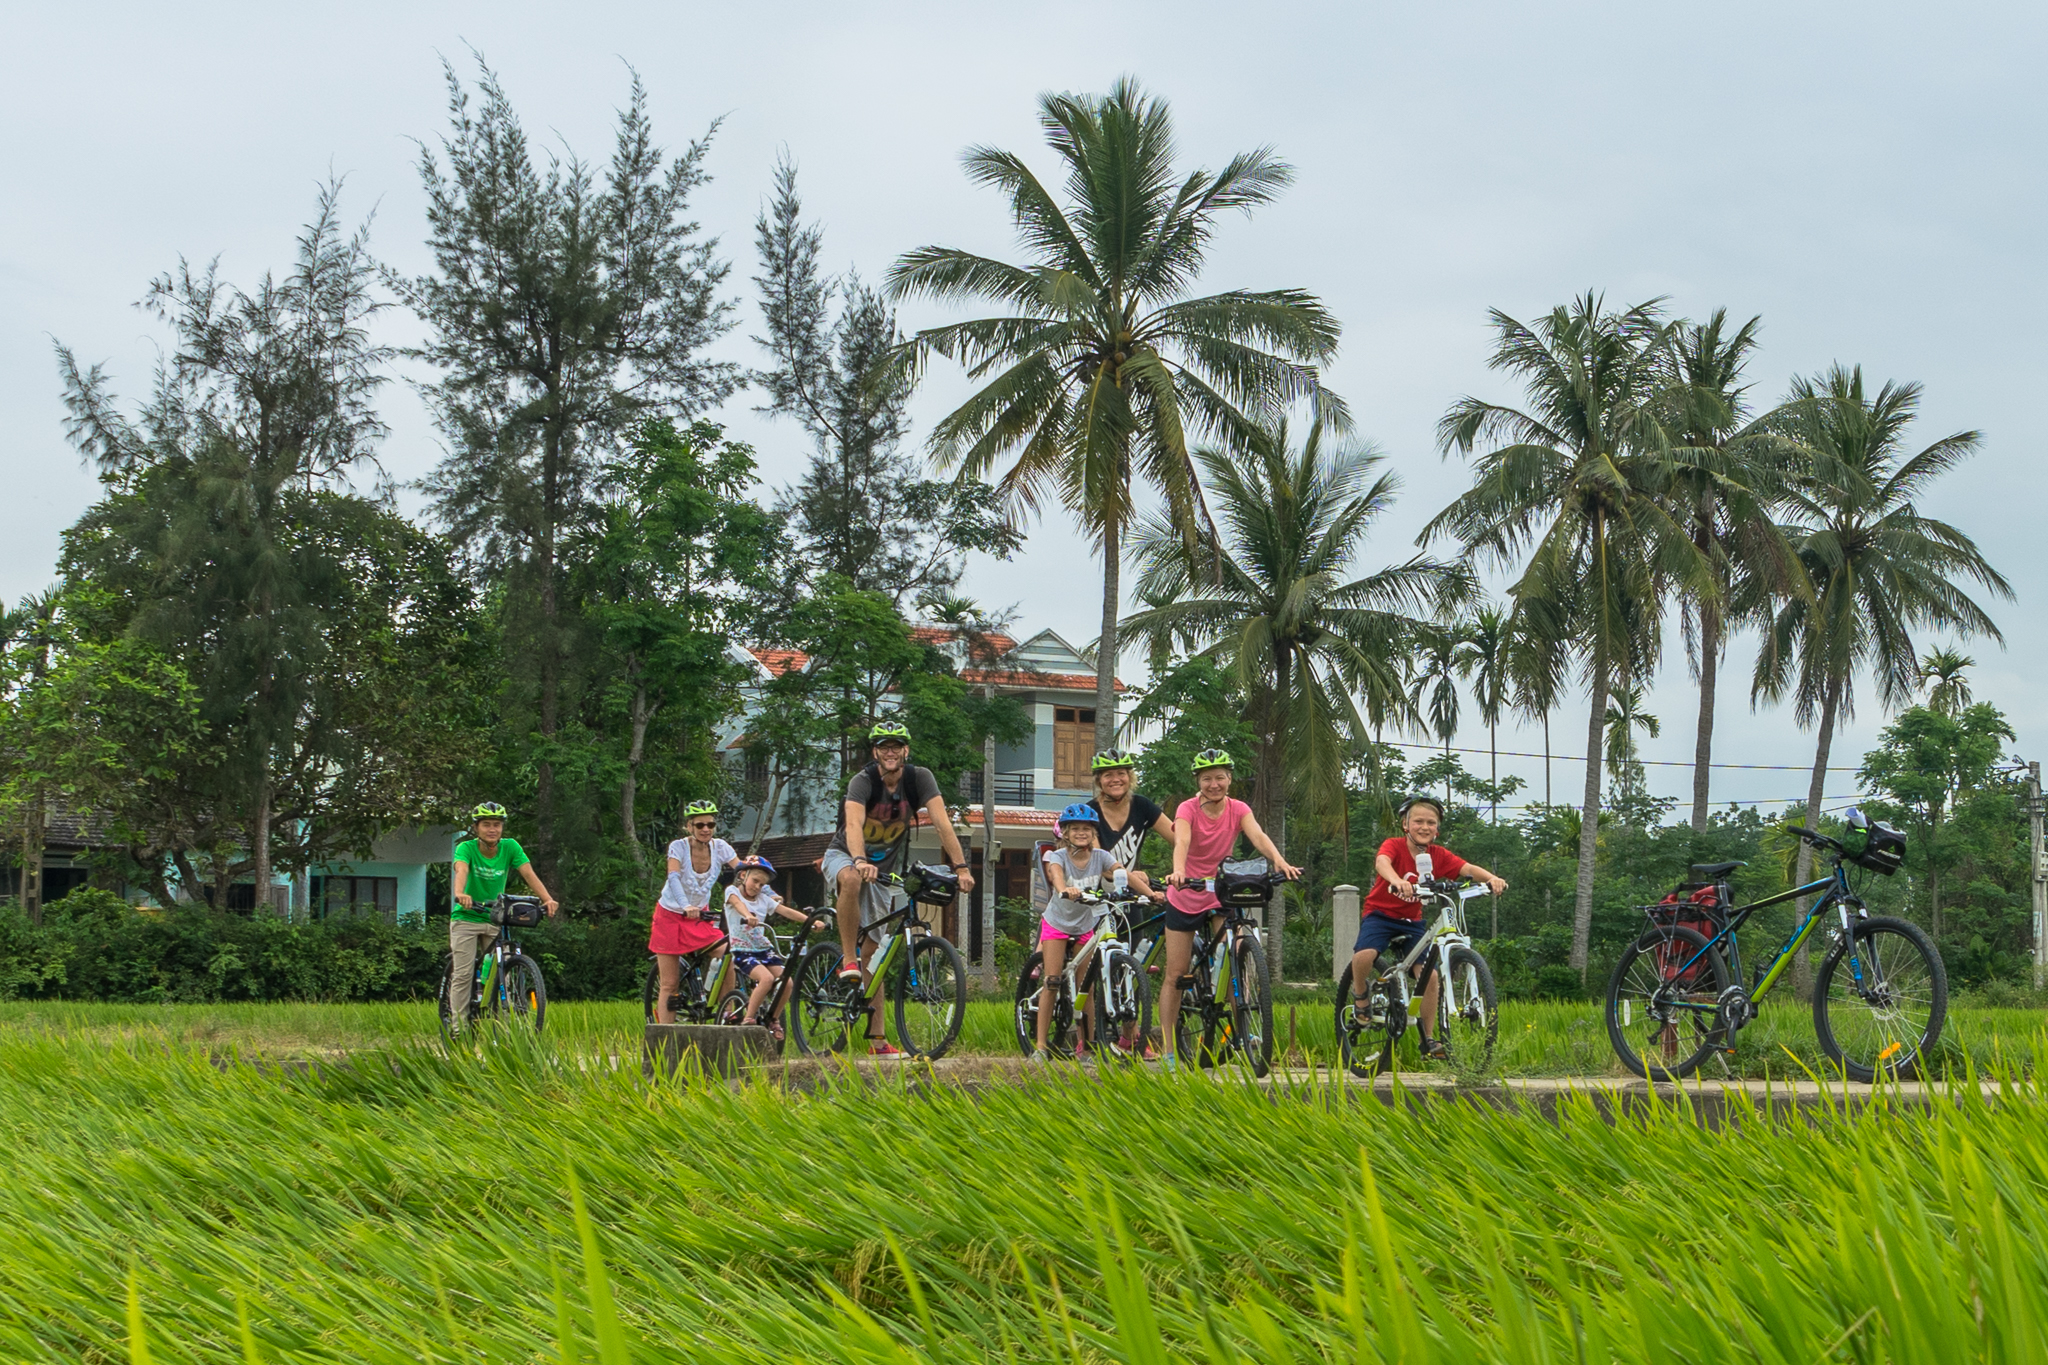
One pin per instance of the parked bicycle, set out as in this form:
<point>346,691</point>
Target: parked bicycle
<point>1880,998</point>
<point>1101,986</point>
<point>1226,994</point>
<point>1467,1018</point>
<point>508,984</point>
<point>912,967</point>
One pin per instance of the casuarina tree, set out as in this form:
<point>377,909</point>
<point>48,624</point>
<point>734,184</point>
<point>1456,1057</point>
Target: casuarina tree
<point>567,306</point>
<point>1101,365</point>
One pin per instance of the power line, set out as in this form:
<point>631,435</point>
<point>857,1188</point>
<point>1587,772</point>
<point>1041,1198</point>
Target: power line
<point>1846,802</point>
<point>1647,762</point>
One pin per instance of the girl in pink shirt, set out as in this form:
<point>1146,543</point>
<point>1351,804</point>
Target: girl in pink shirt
<point>1204,828</point>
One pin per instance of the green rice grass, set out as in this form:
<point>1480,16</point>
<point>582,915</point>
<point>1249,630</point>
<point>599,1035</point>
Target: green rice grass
<point>171,1203</point>
<point>1548,1039</point>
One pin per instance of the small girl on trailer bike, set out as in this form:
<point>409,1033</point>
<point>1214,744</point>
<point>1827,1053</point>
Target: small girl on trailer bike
<point>684,922</point>
<point>748,904</point>
<point>1393,920</point>
<point>1204,829</point>
<point>1077,865</point>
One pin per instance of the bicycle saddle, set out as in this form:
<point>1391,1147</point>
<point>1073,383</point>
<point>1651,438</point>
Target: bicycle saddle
<point>1715,871</point>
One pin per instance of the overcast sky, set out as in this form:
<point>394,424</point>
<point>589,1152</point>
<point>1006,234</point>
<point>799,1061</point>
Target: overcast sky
<point>1866,177</point>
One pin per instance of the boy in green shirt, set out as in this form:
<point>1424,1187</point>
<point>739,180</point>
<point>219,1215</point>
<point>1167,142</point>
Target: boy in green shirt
<point>483,864</point>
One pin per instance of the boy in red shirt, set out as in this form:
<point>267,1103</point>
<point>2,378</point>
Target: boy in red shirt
<point>1393,920</point>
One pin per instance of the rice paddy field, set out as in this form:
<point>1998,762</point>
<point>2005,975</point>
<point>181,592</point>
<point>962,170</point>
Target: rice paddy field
<point>172,1192</point>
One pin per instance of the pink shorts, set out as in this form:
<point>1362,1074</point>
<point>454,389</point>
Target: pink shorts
<point>1048,934</point>
<point>672,934</point>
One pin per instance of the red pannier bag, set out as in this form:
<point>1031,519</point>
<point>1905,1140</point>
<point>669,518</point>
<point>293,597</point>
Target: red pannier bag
<point>1701,908</point>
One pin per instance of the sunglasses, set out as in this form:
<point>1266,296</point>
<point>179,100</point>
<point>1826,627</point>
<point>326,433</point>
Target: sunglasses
<point>703,824</point>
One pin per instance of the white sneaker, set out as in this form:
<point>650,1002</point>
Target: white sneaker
<point>1039,1057</point>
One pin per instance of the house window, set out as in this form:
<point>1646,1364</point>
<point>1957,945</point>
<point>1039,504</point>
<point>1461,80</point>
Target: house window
<point>346,897</point>
<point>1073,745</point>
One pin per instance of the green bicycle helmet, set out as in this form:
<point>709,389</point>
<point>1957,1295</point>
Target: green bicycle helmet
<point>1112,758</point>
<point>700,808</point>
<point>1212,758</point>
<point>487,810</point>
<point>889,729</point>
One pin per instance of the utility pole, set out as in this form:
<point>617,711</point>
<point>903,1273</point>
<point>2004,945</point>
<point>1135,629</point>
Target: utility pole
<point>2040,878</point>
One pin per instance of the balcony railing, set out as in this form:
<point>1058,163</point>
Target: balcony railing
<point>1012,789</point>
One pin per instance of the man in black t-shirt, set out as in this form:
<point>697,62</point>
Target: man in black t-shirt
<point>881,808</point>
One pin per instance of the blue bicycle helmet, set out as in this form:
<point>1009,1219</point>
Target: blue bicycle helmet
<point>758,864</point>
<point>1080,811</point>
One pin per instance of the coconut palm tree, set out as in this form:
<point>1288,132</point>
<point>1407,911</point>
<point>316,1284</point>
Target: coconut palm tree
<point>1486,659</point>
<point>1724,464</point>
<point>1949,692</point>
<point>1878,567</point>
<point>1279,602</point>
<point>1578,480</point>
<point>1101,366</point>
<point>1625,716</point>
<point>1433,685</point>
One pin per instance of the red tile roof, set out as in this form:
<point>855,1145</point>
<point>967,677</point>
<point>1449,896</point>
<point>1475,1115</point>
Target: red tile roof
<point>781,661</point>
<point>945,635</point>
<point>1012,815</point>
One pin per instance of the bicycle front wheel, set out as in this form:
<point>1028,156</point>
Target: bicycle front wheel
<point>822,1008</point>
<point>1245,1023</point>
<point>519,994</point>
<point>1059,1027</point>
<point>1466,1005</point>
<point>1663,1004</point>
<point>1880,1000</point>
<point>1116,1005</point>
<point>931,997</point>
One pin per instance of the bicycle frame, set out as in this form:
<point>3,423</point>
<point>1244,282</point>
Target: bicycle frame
<point>1835,887</point>
<point>1108,926</point>
<point>1446,933</point>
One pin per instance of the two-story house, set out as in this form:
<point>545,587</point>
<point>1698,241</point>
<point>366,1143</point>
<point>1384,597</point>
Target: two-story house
<point>1053,681</point>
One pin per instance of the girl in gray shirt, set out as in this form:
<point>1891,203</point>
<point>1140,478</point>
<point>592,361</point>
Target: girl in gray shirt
<point>1077,865</point>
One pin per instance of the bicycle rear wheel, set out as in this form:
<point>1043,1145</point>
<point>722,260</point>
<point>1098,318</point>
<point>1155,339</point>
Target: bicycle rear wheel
<point>822,1009</point>
<point>1663,1004</point>
<point>1366,1046</point>
<point>441,994</point>
<point>1245,1023</point>
<point>931,997</point>
<point>1471,1028</point>
<point>732,1006</point>
<point>1891,1018</point>
<point>519,994</point>
<point>1059,1028</point>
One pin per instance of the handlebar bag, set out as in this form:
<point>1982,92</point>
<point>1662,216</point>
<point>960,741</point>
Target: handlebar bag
<point>1884,851</point>
<point>519,914</point>
<point>929,885</point>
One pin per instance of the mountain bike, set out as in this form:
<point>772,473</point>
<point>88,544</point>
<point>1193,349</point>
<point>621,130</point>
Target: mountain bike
<point>1101,979</point>
<point>705,992</point>
<point>1467,1018</point>
<point>1225,993</point>
<point>508,984</point>
<point>913,967</point>
<point>1880,997</point>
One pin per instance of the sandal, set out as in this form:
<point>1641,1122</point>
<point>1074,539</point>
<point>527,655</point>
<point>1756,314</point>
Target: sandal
<point>1433,1050</point>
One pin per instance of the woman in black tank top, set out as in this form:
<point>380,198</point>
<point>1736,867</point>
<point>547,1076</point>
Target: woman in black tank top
<point>1123,818</point>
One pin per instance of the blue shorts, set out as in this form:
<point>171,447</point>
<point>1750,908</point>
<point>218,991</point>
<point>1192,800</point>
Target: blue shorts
<point>744,963</point>
<point>1384,933</point>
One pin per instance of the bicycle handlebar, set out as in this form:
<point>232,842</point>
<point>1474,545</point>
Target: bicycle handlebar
<point>1816,837</point>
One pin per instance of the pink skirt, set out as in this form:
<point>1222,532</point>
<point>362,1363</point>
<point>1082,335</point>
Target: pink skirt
<point>676,936</point>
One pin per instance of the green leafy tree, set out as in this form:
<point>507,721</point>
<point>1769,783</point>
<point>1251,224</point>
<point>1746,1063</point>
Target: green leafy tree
<point>1102,366</point>
<point>564,310</point>
<point>1926,761</point>
<point>1279,603</point>
<point>663,572</point>
<point>1198,705</point>
<point>1579,480</point>
<point>1625,716</point>
<point>1878,567</point>
<point>1433,650</point>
